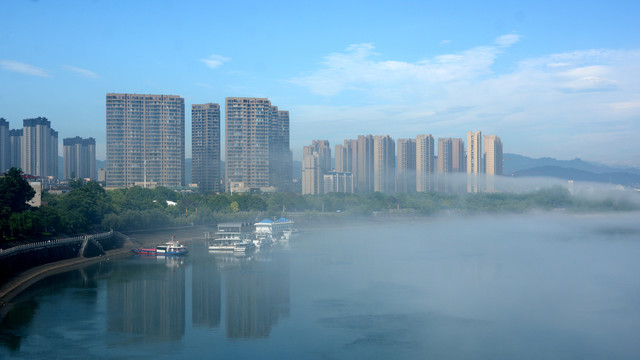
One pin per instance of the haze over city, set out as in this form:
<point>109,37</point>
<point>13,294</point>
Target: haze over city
<point>551,79</point>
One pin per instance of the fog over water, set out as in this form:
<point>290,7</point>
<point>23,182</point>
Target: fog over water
<point>536,286</point>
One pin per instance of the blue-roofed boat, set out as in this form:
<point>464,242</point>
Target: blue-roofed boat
<point>269,232</point>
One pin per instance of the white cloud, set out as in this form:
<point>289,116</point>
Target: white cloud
<point>23,68</point>
<point>507,40</point>
<point>355,68</point>
<point>215,61</point>
<point>81,71</point>
<point>543,106</point>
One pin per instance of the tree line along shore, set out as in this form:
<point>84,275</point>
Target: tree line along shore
<point>89,208</point>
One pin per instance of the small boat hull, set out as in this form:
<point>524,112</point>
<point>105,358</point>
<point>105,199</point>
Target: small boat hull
<point>172,248</point>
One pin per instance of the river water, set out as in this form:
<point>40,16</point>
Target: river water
<point>545,286</point>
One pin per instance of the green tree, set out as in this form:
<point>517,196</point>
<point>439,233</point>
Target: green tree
<point>14,194</point>
<point>25,223</point>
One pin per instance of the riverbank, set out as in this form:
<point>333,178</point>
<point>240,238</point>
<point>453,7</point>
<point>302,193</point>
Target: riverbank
<point>22,281</point>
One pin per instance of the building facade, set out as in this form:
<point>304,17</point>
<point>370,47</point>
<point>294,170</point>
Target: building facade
<point>79,158</point>
<point>445,155</point>
<point>445,164</point>
<point>15,137</point>
<point>39,148</point>
<point>280,157</point>
<point>316,162</point>
<point>458,158</point>
<point>364,160</point>
<point>145,140</point>
<point>344,157</point>
<point>493,155</point>
<point>425,163</point>
<point>406,167</point>
<point>256,145</point>
<point>205,147</point>
<point>338,182</point>
<point>384,164</point>
<point>474,152</point>
<point>474,160</point>
<point>5,146</point>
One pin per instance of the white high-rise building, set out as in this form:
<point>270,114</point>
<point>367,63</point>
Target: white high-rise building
<point>316,162</point>
<point>384,164</point>
<point>406,167</point>
<point>145,140</point>
<point>256,145</point>
<point>493,155</point>
<point>425,163</point>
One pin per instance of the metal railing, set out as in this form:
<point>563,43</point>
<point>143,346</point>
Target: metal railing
<point>53,243</point>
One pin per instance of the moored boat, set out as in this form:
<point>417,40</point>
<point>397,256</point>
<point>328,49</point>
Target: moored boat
<point>269,232</point>
<point>229,235</point>
<point>171,248</point>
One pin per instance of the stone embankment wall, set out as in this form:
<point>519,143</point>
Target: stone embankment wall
<point>20,258</point>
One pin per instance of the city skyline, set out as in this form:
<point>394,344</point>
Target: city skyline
<point>407,166</point>
<point>556,80</point>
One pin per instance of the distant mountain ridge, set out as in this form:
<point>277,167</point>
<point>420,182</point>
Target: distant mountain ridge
<point>619,178</point>
<point>515,162</point>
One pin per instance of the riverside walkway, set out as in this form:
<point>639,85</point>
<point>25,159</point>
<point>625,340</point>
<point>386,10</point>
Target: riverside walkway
<point>30,276</point>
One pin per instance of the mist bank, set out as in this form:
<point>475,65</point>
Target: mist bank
<point>89,208</point>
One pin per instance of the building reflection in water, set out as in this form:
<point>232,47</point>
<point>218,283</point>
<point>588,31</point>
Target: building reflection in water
<point>256,296</point>
<point>247,294</point>
<point>252,292</point>
<point>206,294</point>
<point>148,299</point>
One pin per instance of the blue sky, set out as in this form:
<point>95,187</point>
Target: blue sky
<point>559,79</point>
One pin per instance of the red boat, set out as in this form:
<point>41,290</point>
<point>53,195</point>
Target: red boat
<point>171,248</point>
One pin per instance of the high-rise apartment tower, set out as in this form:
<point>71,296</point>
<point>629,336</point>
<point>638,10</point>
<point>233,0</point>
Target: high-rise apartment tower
<point>493,155</point>
<point>316,162</point>
<point>458,160</point>
<point>145,140</point>
<point>384,164</point>
<point>364,164</point>
<point>425,163</point>
<point>474,152</point>
<point>5,146</point>
<point>205,146</point>
<point>256,145</point>
<point>406,173</point>
<point>79,158</point>
<point>39,148</point>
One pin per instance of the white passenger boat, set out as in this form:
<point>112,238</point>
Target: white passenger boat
<point>229,235</point>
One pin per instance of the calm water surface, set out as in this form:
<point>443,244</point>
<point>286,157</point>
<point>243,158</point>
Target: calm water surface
<point>548,286</point>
